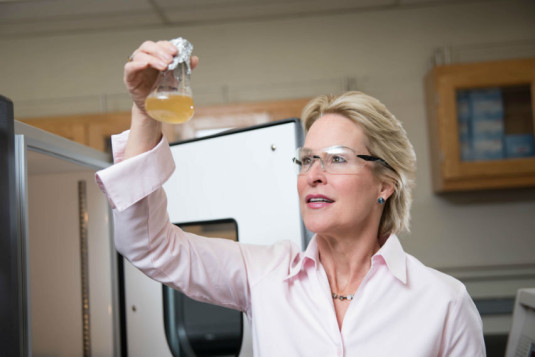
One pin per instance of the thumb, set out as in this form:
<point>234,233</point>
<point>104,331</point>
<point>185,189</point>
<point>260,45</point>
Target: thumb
<point>194,61</point>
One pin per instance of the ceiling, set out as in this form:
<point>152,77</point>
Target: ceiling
<point>43,17</point>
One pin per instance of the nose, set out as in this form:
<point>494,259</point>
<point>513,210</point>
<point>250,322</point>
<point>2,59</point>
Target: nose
<point>316,159</point>
<point>316,173</point>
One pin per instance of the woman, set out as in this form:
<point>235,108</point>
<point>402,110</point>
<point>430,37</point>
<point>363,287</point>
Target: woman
<point>354,291</point>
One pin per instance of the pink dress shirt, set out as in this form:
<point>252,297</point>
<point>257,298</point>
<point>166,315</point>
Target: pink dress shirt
<point>402,308</point>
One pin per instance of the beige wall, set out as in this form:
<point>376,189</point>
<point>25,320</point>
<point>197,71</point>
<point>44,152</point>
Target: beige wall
<point>383,52</point>
<point>55,263</point>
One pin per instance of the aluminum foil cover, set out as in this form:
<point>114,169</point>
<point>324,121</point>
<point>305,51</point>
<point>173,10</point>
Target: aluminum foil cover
<point>184,53</point>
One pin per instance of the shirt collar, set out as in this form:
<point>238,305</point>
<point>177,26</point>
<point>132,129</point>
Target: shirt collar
<point>309,255</point>
<point>394,257</point>
<point>391,252</point>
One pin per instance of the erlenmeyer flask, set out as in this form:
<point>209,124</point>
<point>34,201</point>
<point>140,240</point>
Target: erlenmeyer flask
<point>171,100</point>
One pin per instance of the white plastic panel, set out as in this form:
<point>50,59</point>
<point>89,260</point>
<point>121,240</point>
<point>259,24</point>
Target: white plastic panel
<point>247,176</point>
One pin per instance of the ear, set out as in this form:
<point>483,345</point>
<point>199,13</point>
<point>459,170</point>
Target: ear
<point>386,189</point>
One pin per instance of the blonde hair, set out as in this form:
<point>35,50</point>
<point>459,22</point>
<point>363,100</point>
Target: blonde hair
<point>387,139</point>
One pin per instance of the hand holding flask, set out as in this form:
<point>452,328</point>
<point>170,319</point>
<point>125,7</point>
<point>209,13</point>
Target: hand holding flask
<point>171,100</point>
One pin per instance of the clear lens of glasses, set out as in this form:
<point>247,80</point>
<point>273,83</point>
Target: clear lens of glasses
<point>334,160</point>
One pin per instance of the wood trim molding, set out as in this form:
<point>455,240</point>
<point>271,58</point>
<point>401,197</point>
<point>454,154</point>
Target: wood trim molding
<point>94,130</point>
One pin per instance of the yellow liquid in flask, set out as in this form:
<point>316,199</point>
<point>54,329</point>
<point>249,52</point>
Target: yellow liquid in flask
<point>170,108</point>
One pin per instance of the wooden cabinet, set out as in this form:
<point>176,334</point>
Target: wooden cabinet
<point>481,125</point>
<point>94,130</point>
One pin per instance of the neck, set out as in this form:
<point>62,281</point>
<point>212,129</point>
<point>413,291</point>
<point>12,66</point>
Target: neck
<point>346,260</point>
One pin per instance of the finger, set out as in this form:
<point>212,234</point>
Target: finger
<point>168,47</point>
<point>154,54</point>
<point>133,71</point>
<point>143,60</point>
<point>164,50</point>
<point>194,62</point>
<point>136,73</point>
<point>136,77</point>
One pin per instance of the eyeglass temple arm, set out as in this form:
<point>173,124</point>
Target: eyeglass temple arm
<point>374,158</point>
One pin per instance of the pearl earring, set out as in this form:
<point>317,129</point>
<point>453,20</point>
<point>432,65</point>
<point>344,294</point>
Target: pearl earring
<point>381,200</point>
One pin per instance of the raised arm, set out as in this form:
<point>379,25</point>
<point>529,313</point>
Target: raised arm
<point>210,270</point>
<point>140,73</point>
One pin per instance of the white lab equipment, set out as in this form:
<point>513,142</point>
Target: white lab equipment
<point>242,179</point>
<point>521,342</point>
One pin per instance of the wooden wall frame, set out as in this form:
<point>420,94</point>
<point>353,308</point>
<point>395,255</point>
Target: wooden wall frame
<point>94,130</point>
<point>450,173</point>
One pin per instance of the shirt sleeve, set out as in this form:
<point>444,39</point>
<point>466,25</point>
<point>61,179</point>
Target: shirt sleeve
<point>127,181</point>
<point>206,269</point>
<point>463,333</point>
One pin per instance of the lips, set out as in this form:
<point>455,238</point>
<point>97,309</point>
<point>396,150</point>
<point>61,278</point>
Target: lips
<point>318,201</point>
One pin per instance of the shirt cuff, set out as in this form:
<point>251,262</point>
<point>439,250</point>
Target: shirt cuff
<point>128,181</point>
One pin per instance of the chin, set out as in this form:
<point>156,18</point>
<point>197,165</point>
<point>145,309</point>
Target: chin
<point>317,227</point>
